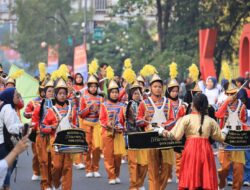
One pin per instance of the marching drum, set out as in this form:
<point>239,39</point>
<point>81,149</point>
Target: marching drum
<point>70,141</point>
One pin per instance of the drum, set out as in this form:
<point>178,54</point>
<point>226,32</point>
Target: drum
<point>70,141</point>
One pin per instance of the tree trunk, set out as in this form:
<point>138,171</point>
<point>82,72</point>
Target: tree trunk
<point>159,24</point>
<point>167,14</point>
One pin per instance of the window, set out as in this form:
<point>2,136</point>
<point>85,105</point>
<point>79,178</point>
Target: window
<point>100,5</point>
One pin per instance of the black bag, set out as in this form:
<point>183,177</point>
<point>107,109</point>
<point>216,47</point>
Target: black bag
<point>10,140</point>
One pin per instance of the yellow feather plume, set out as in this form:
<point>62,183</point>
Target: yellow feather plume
<point>148,70</point>
<point>173,72</point>
<point>54,75</point>
<point>129,75</point>
<point>17,74</point>
<point>42,71</point>
<point>226,70</point>
<point>64,68</point>
<point>193,72</point>
<point>93,67</point>
<point>63,72</point>
<point>127,64</point>
<point>110,73</point>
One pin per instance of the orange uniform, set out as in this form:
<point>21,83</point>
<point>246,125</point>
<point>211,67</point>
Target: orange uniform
<point>90,124</point>
<point>179,110</point>
<point>137,159</point>
<point>159,161</point>
<point>113,141</point>
<point>42,144</point>
<point>29,110</point>
<point>61,163</point>
<point>236,158</point>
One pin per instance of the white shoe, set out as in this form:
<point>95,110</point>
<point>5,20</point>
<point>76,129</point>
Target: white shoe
<point>97,174</point>
<point>59,188</point>
<point>89,174</point>
<point>142,188</point>
<point>79,166</point>
<point>117,180</point>
<point>220,188</point>
<point>124,161</point>
<point>229,183</point>
<point>48,188</point>
<point>177,181</point>
<point>170,180</point>
<point>112,182</point>
<point>35,177</point>
<point>246,183</point>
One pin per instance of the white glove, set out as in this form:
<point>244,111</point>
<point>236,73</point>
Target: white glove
<point>160,131</point>
<point>225,131</point>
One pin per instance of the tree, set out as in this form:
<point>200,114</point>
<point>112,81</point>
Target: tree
<point>121,42</point>
<point>51,21</point>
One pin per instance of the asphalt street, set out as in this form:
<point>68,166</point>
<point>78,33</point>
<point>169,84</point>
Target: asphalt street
<point>80,182</point>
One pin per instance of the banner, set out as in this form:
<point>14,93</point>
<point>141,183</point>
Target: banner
<point>53,58</point>
<point>80,61</point>
<point>237,140</point>
<point>27,86</point>
<point>148,140</point>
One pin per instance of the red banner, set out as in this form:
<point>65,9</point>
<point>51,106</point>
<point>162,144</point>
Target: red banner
<point>53,58</point>
<point>80,61</point>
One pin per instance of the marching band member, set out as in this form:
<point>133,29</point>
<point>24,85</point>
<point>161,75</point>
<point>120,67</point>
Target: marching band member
<point>28,112</point>
<point>78,82</point>
<point>232,115</point>
<point>78,90</point>
<point>42,137</point>
<point>112,133</point>
<point>179,110</point>
<point>137,159</point>
<point>89,112</point>
<point>60,116</point>
<point>156,109</point>
<point>198,168</point>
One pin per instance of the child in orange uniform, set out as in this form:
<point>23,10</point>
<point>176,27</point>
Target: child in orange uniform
<point>112,134</point>
<point>89,111</point>
<point>60,116</point>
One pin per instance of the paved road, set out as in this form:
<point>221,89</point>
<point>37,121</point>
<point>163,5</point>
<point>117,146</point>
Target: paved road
<point>24,174</point>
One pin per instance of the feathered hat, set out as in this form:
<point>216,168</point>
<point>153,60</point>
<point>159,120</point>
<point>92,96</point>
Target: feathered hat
<point>110,76</point>
<point>12,78</point>
<point>194,75</point>
<point>60,77</point>
<point>93,68</point>
<point>150,72</point>
<point>173,72</point>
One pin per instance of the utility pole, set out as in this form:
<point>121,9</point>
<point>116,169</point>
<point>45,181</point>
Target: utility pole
<point>85,22</point>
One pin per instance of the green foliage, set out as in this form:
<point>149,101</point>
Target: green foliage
<point>47,21</point>
<point>123,42</point>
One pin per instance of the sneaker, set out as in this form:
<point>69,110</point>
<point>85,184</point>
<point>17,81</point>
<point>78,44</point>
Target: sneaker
<point>112,182</point>
<point>177,181</point>
<point>170,180</point>
<point>124,161</point>
<point>97,174</point>
<point>89,174</point>
<point>221,188</point>
<point>59,188</point>
<point>230,183</point>
<point>48,188</point>
<point>142,188</point>
<point>79,166</point>
<point>246,183</point>
<point>35,177</point>
<point>117,180</point>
